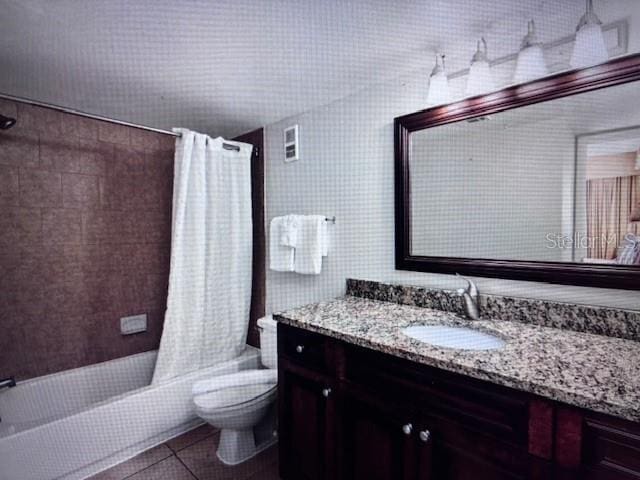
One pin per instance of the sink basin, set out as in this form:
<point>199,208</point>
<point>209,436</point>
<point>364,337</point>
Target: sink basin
<point>454,337</point>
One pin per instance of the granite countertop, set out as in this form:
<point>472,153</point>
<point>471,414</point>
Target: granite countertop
<point>586,370</point>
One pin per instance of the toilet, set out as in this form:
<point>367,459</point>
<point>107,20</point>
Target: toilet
<point>242,404</point>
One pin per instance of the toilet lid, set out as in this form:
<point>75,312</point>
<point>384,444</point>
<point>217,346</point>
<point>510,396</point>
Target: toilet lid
<point>232,396</point>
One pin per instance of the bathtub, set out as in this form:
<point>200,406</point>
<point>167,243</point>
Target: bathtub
<point>73,424</point>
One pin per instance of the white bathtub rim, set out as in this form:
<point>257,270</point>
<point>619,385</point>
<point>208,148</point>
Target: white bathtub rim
<point>87,368</point>
<point>33,383</point>
<point>248,352</point>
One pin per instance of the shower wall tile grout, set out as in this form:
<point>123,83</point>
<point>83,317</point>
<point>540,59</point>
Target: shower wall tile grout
<point>85,225</point>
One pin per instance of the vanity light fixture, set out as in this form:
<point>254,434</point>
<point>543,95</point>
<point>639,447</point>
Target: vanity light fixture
<point>438,93</point>
<point>480,79</point>
<point>530,63</point>
<point>589,48</point>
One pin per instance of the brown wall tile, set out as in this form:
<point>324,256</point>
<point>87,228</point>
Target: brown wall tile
<point>19,149</point>
<point>114,133</point>
<point>20,225</point>
<point>62,226</point>
<point>45,121</point>
<point>8,108</point>
<point>80,127</point>
<point>128,161</point>
<point>9,186</point>
<point>80,191</point>
<point>75,156</point>
<point>145,140</point>
<point>40,189</point>
<point>126,192</point>
<point>84,239</point>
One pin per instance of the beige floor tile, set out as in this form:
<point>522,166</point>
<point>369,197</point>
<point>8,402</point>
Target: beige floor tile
<point>191,437</point>
<point>134,465</point>
<point>169,469</point>
<point>201,459</point>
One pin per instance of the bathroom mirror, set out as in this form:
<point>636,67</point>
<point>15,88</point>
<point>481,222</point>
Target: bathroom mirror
<point>535,182</point>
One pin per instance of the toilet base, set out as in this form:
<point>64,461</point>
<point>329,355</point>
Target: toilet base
<point>237,446</point>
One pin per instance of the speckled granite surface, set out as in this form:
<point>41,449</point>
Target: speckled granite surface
<point>590,371</point>
<point>579,318</point>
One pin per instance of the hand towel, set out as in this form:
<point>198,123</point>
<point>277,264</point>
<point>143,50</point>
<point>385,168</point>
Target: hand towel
<point>289,231</point>
<point>280,256</point>
<point>324,237</point>
<point>311,245</point>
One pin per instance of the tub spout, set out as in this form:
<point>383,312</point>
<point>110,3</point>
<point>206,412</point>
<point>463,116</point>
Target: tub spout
<point>7,383</point>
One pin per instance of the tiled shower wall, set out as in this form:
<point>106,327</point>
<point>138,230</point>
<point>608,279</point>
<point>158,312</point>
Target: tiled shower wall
<point>85,221</point>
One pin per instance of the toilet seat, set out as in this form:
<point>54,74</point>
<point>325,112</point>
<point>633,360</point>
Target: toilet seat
<point>232,397</point>
<point>234,390</point>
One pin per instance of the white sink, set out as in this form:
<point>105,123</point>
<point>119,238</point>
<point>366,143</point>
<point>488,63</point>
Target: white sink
<point>454,337</point>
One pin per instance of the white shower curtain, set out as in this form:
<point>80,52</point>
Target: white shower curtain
<point>211,251</point>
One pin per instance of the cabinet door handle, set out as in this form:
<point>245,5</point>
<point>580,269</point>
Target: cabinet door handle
<point>406,429</point>
<point>300,348</point>
<point>425,435</point>
<point>326,392</point>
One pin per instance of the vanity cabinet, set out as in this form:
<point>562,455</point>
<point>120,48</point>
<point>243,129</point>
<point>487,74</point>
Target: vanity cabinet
<point>351,413</point>
<point>381,437</point>
<point>610,449</point>
<point>306,417</point>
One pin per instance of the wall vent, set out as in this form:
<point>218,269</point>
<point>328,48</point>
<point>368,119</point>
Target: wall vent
<point>291,144</point>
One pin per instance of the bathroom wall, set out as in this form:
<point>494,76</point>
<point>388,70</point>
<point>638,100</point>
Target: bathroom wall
<point>346,170</point>
<point>85,212</point>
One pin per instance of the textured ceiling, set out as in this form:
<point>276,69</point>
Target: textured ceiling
<point>227,66</point>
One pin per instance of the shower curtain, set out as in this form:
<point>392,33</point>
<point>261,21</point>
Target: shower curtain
<point>211,250</point>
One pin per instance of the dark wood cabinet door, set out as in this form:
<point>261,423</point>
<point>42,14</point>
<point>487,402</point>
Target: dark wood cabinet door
<point>305,403</point>
<point>462,453</point>
<point>610,449</point>
<point>377,439</point>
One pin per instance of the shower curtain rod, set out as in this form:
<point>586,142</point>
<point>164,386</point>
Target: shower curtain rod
<point>86,115</point>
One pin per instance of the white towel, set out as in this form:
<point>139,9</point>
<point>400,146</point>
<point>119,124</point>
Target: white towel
<point>289,231</point>
<point>312,244</point>
<point>280,256</point>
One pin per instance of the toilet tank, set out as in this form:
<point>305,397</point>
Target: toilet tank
<point>268,341</point>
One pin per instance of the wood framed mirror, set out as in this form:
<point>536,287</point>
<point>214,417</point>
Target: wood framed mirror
<point>536,182</point>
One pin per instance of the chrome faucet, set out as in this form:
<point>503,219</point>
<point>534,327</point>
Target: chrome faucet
<point>7,383</point>
<point>470,299</point>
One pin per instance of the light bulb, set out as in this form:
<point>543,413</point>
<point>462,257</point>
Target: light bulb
<point>480,79</point>
<point>589,48</point>
<point>530,63</point>
<point>438,93</point>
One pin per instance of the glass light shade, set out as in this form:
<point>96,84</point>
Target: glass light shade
<point>589,48</point>
<point>480,79</point>
<point>438,89</point>
<point>530,64</point>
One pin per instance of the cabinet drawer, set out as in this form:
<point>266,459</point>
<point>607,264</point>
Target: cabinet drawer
<point>611,448</point>
<point>304,348</point>
<point>489,408</point>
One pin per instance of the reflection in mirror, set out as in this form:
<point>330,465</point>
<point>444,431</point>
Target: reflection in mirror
<point>555,181</point>
<point>609,180</point>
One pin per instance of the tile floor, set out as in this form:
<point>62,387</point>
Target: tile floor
<point>191,456</point>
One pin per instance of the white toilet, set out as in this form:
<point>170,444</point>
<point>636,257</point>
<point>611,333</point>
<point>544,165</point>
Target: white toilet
<point>242,404</point>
